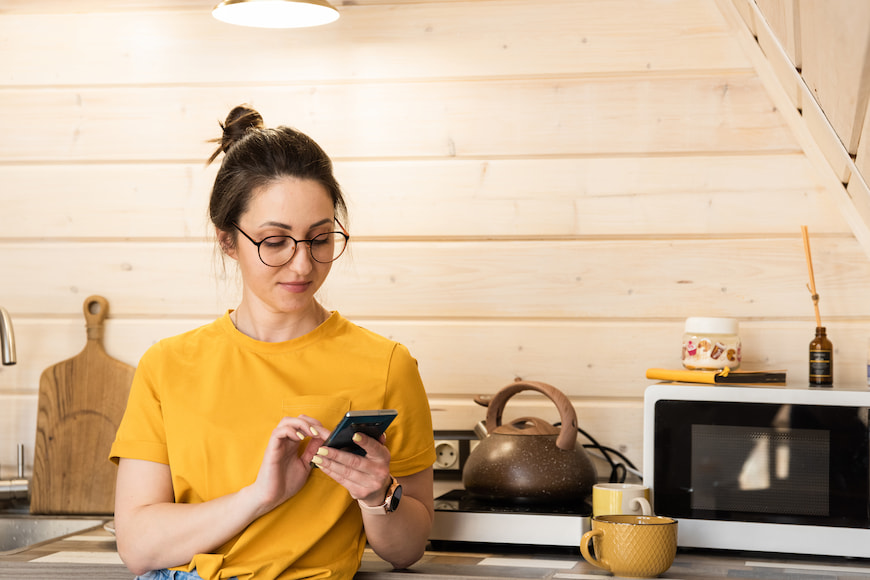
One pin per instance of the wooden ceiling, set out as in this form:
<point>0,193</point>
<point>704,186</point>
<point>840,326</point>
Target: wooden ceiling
<point>829,44</point>
<point>814,58</point>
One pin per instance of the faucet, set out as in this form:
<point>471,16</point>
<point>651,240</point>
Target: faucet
<point>18,487</point>
<point>7,338</point>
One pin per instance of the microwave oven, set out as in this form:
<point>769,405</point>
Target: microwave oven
<point>761,468</point>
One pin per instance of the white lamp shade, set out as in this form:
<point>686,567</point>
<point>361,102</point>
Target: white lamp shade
<point>276,13</point>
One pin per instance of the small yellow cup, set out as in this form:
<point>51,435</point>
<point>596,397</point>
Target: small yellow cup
<point>620,498</point>
<point>631,546</point>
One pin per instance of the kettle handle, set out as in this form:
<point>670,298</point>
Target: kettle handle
<point>567,434</point>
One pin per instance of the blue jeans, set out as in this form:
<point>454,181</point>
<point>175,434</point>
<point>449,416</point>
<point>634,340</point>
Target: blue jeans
<point>169,575</point>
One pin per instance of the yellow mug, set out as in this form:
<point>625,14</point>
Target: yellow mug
<point>620,498</point>
<point>631,546</point>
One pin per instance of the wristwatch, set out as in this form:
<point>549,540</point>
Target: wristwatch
<point>391,502</point>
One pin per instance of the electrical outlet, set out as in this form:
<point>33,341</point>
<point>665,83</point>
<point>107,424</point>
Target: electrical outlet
<point>451,453</point>
<point>446,454</point>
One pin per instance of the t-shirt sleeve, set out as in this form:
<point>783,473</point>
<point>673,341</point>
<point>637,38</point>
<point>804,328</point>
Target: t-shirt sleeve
<point>141,434</point>
<point>411,442</point>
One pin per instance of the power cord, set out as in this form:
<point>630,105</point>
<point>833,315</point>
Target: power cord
<point>618,471</point>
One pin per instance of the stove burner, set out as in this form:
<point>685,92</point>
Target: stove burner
<point>464,501</point>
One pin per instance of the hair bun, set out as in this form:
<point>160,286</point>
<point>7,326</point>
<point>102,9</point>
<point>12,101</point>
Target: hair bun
<point>239,121</point>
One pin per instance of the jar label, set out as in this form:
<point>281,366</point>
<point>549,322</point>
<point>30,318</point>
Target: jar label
<point>820,364</point>
<point>710,352</point>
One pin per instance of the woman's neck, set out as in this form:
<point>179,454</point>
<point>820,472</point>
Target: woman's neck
<point>277,327</point>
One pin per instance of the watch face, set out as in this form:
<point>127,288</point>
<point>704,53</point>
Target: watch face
<point>397,495</point>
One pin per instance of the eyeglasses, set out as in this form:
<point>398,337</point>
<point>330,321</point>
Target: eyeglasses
<point>275,251</point>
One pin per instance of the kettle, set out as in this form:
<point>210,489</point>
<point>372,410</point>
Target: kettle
<point>529,460</point>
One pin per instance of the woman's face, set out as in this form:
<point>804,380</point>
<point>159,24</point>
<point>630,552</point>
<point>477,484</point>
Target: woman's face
<point>289,206</point>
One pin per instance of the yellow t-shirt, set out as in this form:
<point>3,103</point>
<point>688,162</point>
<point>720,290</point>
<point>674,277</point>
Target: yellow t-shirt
<point>205,403</point>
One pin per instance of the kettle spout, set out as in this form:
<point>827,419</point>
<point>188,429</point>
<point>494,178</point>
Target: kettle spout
<point>7,338</point>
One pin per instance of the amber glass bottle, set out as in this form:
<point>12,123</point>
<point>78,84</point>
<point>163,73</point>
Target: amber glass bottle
<point>821,360</point>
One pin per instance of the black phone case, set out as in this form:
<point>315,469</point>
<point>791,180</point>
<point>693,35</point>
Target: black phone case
<point>371,425</point>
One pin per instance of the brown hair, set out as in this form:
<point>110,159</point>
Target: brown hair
<point>254,156</point>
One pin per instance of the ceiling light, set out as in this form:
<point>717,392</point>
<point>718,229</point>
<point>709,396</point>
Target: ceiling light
<point>276,13</point>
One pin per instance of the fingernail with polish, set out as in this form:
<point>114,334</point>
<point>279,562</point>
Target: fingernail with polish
<point>317,460</point>
<point>313,431</point>
<point>357,437</point>
<point>300,434</point>
<point>323,451</point>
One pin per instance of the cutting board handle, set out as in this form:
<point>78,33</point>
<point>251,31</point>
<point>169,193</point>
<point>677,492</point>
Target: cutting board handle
<point>96,309</point>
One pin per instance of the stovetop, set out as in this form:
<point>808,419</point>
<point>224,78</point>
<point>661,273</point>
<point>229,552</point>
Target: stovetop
<point>462,517</point>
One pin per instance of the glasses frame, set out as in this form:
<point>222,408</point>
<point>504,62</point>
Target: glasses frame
<point>296,243</point>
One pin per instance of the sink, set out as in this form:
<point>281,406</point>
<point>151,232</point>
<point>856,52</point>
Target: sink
<point>20,531</point>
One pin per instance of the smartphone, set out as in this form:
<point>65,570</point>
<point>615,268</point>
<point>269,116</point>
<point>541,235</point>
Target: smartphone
<point>372,423</point>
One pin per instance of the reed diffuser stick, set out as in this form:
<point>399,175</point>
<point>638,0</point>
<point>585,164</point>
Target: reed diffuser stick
<point>812,285</point>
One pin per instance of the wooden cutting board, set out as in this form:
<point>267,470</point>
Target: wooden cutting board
<point>81,402</point>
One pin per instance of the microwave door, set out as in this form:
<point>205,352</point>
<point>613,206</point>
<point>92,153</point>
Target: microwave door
<point>762,462</point>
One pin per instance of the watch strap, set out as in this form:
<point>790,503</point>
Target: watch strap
<point>388,506</point>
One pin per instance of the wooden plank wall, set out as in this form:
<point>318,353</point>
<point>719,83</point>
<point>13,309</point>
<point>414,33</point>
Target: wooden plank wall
<point>542,189</point>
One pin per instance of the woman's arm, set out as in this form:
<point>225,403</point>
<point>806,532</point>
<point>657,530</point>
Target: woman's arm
<point>154,532</point>
<point>400,537</point>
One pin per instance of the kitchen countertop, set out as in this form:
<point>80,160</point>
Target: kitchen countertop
<point>91,554</point>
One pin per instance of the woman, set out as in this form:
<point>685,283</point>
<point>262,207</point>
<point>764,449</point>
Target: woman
<point>225,423</point>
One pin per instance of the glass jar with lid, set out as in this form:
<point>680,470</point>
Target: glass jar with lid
<point>711,344</point>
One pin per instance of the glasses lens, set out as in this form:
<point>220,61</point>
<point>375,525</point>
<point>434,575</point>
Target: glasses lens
<point>277,250</point>
<point>326,248</point>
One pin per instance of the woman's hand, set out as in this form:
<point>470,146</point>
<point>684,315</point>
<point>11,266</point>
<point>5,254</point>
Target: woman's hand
<point>398,537</point>
<point>365,478</point>
<point>284,470</point>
